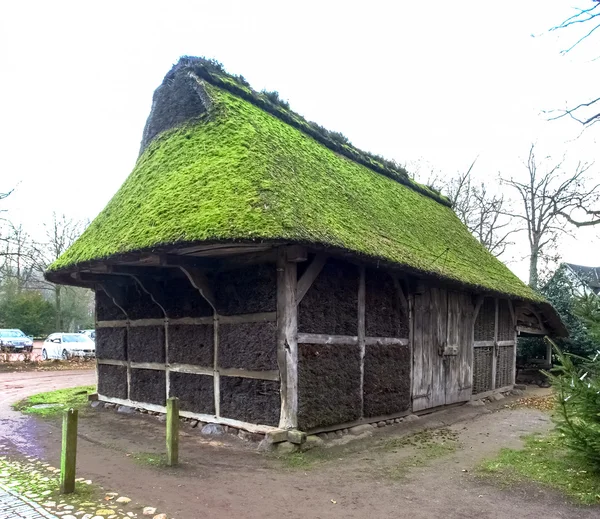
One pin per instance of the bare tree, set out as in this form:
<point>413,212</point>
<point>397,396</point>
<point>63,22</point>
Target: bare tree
<point>481,211</point>
<point>548,199</point>
<point>586,113</point>
<point>61,232</point>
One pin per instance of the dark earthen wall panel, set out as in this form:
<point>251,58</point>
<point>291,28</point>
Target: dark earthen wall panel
<point>331,304</point>
<point>148,386</point>
<point>112,381</point>
<point>251,346</point>
<point>106,310</point>
<point>484,325</point>
<point>140,305</point>
<point>191,344</point>
<point>248,290</point>
<point>195,392</point>
<point>328,384</point>
<point>250,400</point>
<point>146,344</point>
<point>181,299</point>
<point>384,314</point>
<point>111,343</point>
<point>387,380</point>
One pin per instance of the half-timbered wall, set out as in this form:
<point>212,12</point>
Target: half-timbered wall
<point>218,358</point>
<point>353,352</point>
<point>494,346</point>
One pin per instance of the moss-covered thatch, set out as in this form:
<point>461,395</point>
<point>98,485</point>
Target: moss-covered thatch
<point>240,172</point>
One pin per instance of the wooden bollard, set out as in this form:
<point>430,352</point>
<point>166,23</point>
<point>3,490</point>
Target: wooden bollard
<point>68,456</point>
<point>172,431</point>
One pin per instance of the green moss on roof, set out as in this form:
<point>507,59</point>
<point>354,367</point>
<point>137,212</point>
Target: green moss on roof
<point>239,173</point>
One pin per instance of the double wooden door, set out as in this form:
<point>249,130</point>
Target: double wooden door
<point>442,344</point>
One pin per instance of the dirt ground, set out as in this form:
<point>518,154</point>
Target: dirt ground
<point>226,477</point>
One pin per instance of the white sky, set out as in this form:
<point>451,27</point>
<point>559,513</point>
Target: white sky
<point>432,83</point>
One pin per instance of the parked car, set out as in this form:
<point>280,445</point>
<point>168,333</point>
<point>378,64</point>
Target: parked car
<point>67,345</point>
<point>15,340</point>
<point>89,333</point>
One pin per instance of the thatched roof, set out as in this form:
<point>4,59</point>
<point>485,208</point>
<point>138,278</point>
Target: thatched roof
<point>223,163</point>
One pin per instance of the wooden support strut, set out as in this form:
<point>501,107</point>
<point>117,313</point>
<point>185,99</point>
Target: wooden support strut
<point>287,340</point>
<point>309,276</point>
<point>172,431</point>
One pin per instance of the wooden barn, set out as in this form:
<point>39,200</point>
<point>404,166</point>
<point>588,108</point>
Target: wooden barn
<point>271,275</point>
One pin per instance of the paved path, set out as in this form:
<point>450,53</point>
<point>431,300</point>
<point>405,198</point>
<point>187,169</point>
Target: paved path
<point>14,506</point>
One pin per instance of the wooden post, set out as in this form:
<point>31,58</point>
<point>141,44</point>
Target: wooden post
<point>69,452</point>
<point>172,431</point>
<point>361,336</point>
<point>287,340</point>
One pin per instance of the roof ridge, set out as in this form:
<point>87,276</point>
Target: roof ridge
<point>214,72</point>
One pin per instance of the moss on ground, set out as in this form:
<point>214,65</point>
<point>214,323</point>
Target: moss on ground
<point>242,174</point>
<point>546,461</point>
<point>53,403</point>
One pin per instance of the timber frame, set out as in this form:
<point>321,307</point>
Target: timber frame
<point>196,264</point>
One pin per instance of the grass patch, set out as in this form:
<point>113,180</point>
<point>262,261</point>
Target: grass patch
<point>52,403</point>
<point>152,459</point>
<point>545,460</point>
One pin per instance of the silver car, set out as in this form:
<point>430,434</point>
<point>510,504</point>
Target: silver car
<point>14,340</point>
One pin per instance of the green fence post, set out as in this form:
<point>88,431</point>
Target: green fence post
<point>172,431</point>
<point>69,452</point>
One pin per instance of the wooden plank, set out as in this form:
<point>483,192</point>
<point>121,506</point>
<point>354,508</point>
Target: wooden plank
<point>422,370</point>
<point>496,349</point>
<point>121,323</point>
<point>322,338</point>
<point>361,335</point>
<point>216,378</point>
<point>452,360</point>
<point>172,431</point>
<point>386,341</point>
<point>146,322</point>
<point>192,320</point>
<point>287,336</point>
<point>513,316</point>
<point>158,366</point>
<point>310,275</point>
<point>68,458</point>
<point>439,328</point>
<point>249,318</point>
<point>243,373</point>
<point>112,362</point>
<point>252,427</point>
<point>465,378</point>
<point>192,369</point>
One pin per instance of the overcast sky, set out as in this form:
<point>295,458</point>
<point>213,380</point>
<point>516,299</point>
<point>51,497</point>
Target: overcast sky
<point>431,84</point>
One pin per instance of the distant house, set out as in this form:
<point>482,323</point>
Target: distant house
<point>271,275</point>
<point>585,280</point>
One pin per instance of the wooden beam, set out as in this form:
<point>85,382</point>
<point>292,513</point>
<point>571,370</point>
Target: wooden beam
<point>386,341</point>
<point>478,304</point>
<point>511,309</point>
<point>200,283</point>
<point>296,253</point>
<point>172,431</point>
<point>309,276</point>
<point>248,318</point>
<point>68,456</point>
<point>361,334</point>
<point>287,340</point>
<point>322,338</point>
<point>496,348</point>
<point>400,293</point>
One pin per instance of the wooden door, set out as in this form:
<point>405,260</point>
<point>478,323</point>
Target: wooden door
<point>442,348</point>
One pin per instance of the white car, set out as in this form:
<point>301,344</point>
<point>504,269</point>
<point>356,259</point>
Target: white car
<point>67,345</point>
